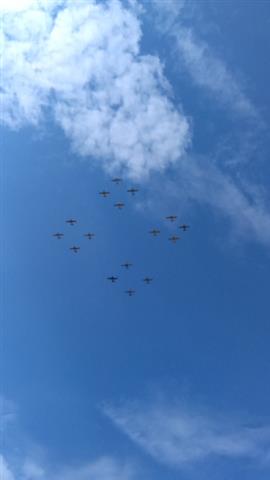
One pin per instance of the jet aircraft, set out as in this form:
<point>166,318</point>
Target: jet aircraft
<point>112,279</point>
<point>132,190</point>
<point>104,193</point>
<point>126,265</point>
<point>130,292</point>
<point>147,280</point>
<point>174,238</point>
<point>117,180</point>
<point>75,249</point>
<point>71,221</point>
<point>154,232</point>
<point>119,205</point>
<point>58,235</point>
<point>89,235</point>
<point>172,218</point>
<point>184,227</point>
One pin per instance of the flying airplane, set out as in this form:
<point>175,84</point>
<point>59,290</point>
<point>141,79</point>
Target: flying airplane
<point>71,221</point>
<point>126,265</point>
<point>155,232</point>
<point>147,280</point>
<point>174,238</point>
<point>184,227</point>
<point>172,218</point>
<point>132,190</point>
<point>58,235</point>
<point>130,292</point>
<point>117,180</point>
<point>89,235</point>
<point>75,249</point>
<point>119,205</point>
<point>104,193</point>
<point>112,279</point>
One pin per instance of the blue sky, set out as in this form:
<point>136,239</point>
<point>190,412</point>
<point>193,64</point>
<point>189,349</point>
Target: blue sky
<point>173,382</point>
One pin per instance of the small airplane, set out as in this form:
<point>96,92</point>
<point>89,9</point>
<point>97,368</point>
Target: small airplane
<point>117,180</point>
<point>132,190</point>
<point>174,238</point>
<point>184,227</point>
<point>126,265</point>
<point>172,218</point>
<point>119,205</point>
<point>71,221</point>
<point>104,193</point>
<point>112,279</point>
<point>58,235</point>
<point>147,280</point>
<point>154,232</point>
<point>130,292</point>
<point>75,249</point>
<point>89,235</point>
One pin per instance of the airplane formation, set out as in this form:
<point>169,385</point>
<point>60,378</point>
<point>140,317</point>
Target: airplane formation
<point>120,205</point>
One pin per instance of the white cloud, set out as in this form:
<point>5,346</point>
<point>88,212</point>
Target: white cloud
<point>5,472</point>
<point>83,61</point>
<point>244,205</point>
<point>32,470</point>
<point>103,468</point>
<point>201,62</point>
<point>179,437</point>
<point>210,72</point>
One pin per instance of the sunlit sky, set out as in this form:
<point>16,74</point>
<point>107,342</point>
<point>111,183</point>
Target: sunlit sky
<point>172,382</point>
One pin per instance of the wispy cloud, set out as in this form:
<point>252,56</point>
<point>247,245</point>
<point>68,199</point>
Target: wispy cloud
<point>5,472</point>
<point>82,61</point>
<point>211,73</point>
<point>200,60</point>
<point>181,436</point>
<point>104,468</point>
<point>21,459</point>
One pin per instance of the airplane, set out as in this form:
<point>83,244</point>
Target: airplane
<point>126,265</point>
<point>147,280</point>
<point>89,235</point>
<point>119,205</point>
<point>130,292</point>
<point>112,279</point>
<point>104,193</point>
<point>75,249</point>
<point>184,227</point>
<point>174,238</point>
<point>71,221</point>
<point>155,232</point>
<point>58,235</point>
<point>132,190</point>
<point>172,218</point>
<point>117,180</point>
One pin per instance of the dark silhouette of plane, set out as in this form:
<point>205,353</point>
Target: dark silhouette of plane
<point>184,227</point>
<point>126,265</point>
<point>104,193</point>
<point>130,292</point>
<point>75,249</point>
<point>117,180</point>
<point>174,238</point>
<point>71,221</point>
<point>112,279</point>
<point>119,205</point>
<point>58,235</point>
<point>172,218</point>
<point>154,232</point>
<point>147,280</point>
<point>132,190</point>
<point>89,235</point>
